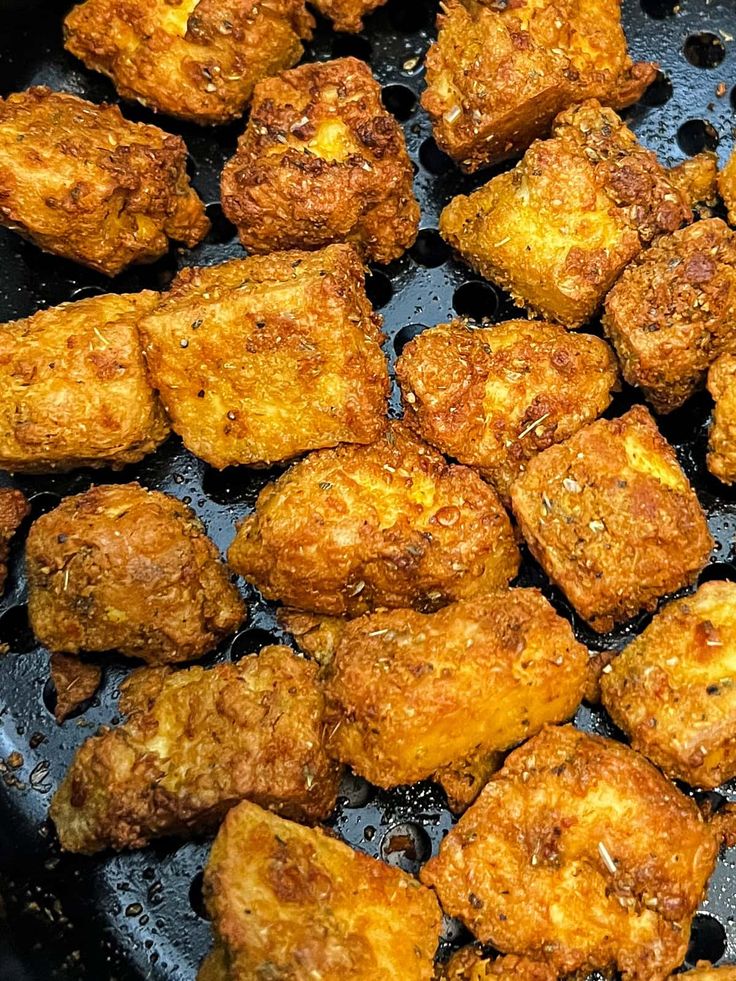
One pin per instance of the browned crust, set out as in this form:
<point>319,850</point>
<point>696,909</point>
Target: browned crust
<point>13,509</point>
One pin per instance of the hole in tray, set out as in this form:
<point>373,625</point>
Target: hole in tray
<point>659,9</point>
<point>409,17</point>
<point>400,101</point>
<point>85,292</point>
<point>15,631</point>
<point>476,300</point>
<point>733,98</point>
<point>406,846</point>
<point>430,249</point>
<point>251,641</point>
<point>433,159</point>
<point>354,791</point>
<point>659,92</point>
<point>704,50</point>
<point>707,940</point>
<point>43,502</point>
<point>236,485</point>
<point>196,898</point>
<point>352,46</point>
<point>378,287</point>
<point>406,334</point>
<point>697,135</point>
<point>718,572</point>
<point>222,230</point>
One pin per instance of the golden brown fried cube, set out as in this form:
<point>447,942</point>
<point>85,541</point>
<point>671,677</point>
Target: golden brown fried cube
<point>294,902</point>
<point>612,519</point>
<point>347,15</point>
<point>704,971</point>
<point>564,858</point>
<point>122,568</point>
<point>13,509</point>
<point>259,360</point>
<point>74,390</point>
<point>499,73</point>
<point>81,181</point>
<point>195,743</point>
<point>471,964</point>
<point>391,524</point>
<point>558,229</point>
<point>722,438</point>
<point>727,187</point>
<point>196,59</point>
<point>493,398</point>
<point>673,690</point>
<point>322,161</point>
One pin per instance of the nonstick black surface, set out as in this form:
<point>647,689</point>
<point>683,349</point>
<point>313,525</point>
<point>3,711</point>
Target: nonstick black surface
<point>140,915</point>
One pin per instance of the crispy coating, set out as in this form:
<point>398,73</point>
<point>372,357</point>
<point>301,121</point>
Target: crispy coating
<point>195,743</point>
<point>463,780</point>
<point>494,398</point>
<point>294,902</point>
<point>74,681</point>
<point>673,690</point>
<point>471,964</point>
<point>259,360</point>
<point>727,187</point>
<point>722,437</point>
<point>673,310</point>
<point>347,15</point>
<point>704,971</point>
<point>499,73</point>
<point>122,568</point>
<point>195,59</point>
<point>13,509</point>
<point>563,859</point>
<point>79,180</point>
<point>74,390</point>
<point>557,230</point>
<point>697,179</point>
<point>321,161</point>
<point>612,519</point>
<point>388,525</point>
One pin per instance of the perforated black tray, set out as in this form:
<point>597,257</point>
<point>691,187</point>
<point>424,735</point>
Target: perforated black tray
<point>140,915</point>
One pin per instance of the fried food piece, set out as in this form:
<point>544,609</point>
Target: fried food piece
<point>195,743</point>
<point>494,398</point>
<point>74,390</point>
<point>463,780</point>
<point>562,859</point>
<point>195,59</point>
<point>704,971</point>
<point>13,509</point>
<point>727,187</point>
<point>122,568</point>
<point>612,519</point>
<point>322,161</point>
<point>722,438</point>
<point>294,902</point>
<point>498,74</point>
<point>80,181</point>
<point>557,230</point>
<point>75,682</point>
<point>347,15</point>
<point>471,964</point>
<point>697,179</point>
<point>392,524</point>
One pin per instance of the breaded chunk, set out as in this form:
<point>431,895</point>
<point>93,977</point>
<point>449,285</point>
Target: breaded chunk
<point>392,524</point>
<point>196,59</point>
<point>612,519</point>
<point>322,161</point>
<point>347,15</point>
<point>500,72</point>
<point>259,360</point>
<point>81,181</point>
<point>727,187</point>
<point>196,742</point>
<point>74,683</point>
<point>697,178</point>
<point>706,972</point>
<point>13,509</point>
<point>122,568</point>
<point>722,438</point>
<point>673,310</point>
<point>471,964</point>
<point>74,390</point>
<point>493,398</point>
<point>580,854</point>
<point>294,902</point>
<point>673,690</point>
<point>557,230</point>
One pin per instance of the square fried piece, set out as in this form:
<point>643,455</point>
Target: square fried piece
<point>472,964</point>
<point>195,59</point>
<point>79,180</point>
<point>722,437</point>
<point>500,72</point>
<point>74,390</point>
<point>259,360</point>
<point>612,519</point>
<point>13,509</point>
<point>557,230</point>
<point>347,15</point>
<point>294,902</point>
<point>322,161</point>
<point>563,858</point>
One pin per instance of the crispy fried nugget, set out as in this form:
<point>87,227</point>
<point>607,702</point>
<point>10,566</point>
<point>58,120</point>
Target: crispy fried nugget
<point>294,902</point>
<point>704,971</point>
<point>727,187</point>
<point>563,858</point>
<point>195,743</point>
<point>13,509</point>
<point>612,519</point>
<point>74,390</point>
<point>494,398</point>
<point>122,568</point>
<point>74,682</point>
<point>347,15</point>
<point>82,182</point>
<point>196,59</point>
<point>392,524</point>
<point>322,161</point>
<point>499,73</point>
<point>722,438</point>
<point>471,964</point>
<point>673,690</point>
<point>558,229</point>
<point>259,360</point>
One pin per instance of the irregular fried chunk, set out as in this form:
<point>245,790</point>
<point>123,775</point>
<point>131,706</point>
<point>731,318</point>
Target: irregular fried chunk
<point>75,681</point>
<point>13,509</point>
<point>259,360</point>
<point>563,859</point>
<point>494,398</point>
<point>322,161</point>
<point>722,438</point>
<point>79,180</point>
<point>293,902</point>
<point>74,390</point>
<point>612,519</point>
<point>196,59</point>
<point>727,187</point>
<point>704,971</point>
<point>697,179</point>
<point>463,780</point>
<point>391,524</point>
<point>558,229</point>
<point>122,568</point>
<point>195,743</point>
<point>347,15</point>
<point>471,964</point>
